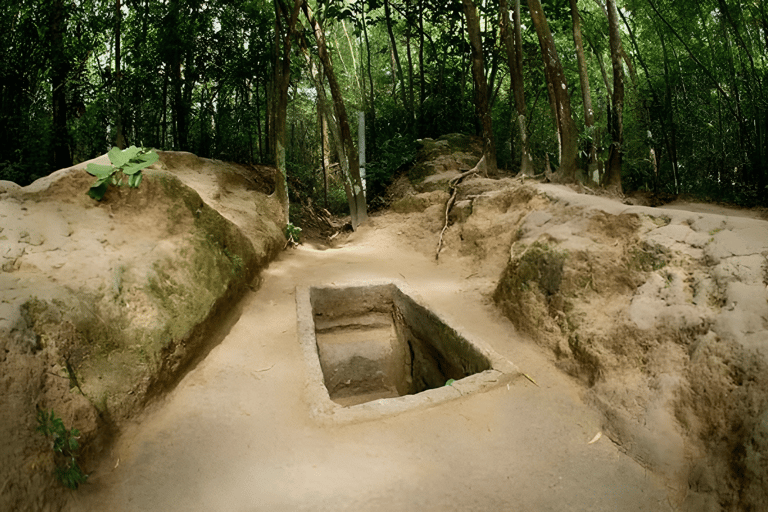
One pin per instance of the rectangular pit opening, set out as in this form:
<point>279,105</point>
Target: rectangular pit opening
<point>377,342</point>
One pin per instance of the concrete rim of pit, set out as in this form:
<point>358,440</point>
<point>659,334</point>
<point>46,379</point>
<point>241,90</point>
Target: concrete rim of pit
<point>325,410</point>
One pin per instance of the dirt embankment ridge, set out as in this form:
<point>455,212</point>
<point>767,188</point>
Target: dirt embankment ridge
<point>105,304</point>
<point>661,313</point>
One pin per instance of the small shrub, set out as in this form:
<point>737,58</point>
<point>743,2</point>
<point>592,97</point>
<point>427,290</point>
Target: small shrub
<point>293,234</point>
<point>65,448</point>
<point>129,162</point>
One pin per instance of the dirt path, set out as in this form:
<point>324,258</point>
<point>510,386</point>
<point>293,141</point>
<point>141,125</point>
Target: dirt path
<point>236,433</point>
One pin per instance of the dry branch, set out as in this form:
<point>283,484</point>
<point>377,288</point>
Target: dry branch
<point>454,185</point>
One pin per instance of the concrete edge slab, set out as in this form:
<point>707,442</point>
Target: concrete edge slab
<point>326,411</point>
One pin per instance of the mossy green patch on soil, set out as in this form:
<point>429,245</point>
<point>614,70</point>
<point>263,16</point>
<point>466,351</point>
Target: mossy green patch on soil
<point>538,265</point>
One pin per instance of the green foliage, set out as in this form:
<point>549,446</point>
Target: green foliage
<point>197,79</point>
<point>293,234</point>
<point>393,155</point>
<point>65,447</point>
<point>126,164</point>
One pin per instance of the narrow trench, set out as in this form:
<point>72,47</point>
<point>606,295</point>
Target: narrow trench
<point>380,347</point>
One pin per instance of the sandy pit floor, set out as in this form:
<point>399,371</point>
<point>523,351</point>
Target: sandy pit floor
<point>236,434</point>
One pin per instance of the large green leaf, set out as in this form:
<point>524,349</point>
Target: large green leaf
<point>140,162</point>
<point>98,190</point>
<point>120,158</point>
<point>100,171</point>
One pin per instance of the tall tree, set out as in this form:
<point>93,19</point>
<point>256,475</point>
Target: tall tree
<point>400,82</point>
<point>613,176</point>
<point>60,67</point>
<point>358,207</point>
<point>512,39</point>
<point>568,135</point>
<point>481,86</point>
<point>589,114</point>
<point>285,27</point>
<point>120,137</point>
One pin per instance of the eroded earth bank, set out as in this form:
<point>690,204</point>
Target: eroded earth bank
<point>646,325</point>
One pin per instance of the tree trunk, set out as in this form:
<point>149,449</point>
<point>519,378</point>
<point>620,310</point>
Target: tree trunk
<point>358,207</point>
<point>613,177</point>
<point>671,141</point>
<point>395,54</point>
<point>409,58</point>
<point>325,149</point>
<point>59,70</point>
<point>120,137</point>
<point>164,122</point>
<point>422,81</point>
<point>372,115</point>
<point>558,86</point>
<point>328,124</point>
<point>515,58</point>
<point>285,24</point>
<point>589,115</point>
<point>481,87</point>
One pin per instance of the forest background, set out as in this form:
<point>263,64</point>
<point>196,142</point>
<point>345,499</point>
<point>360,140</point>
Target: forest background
<point>670,95</point>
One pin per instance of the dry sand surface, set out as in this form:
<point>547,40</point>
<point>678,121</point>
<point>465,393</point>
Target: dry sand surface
<point>236,434</point>
<point>642,355</point>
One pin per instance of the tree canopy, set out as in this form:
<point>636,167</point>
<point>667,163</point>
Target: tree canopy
<point>79,76</point>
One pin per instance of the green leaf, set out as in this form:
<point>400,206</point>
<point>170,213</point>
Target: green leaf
<point>120,158</point>
<point>140,162</point>
<point>135,180</point>
<point>100,171</point>
<point>98,190</point>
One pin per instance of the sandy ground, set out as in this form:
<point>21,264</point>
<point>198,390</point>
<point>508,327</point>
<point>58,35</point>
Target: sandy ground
<point>236,433</point>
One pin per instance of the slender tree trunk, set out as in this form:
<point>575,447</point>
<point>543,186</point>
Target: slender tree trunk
<point>285,21</point>
<point>325,150</point>
<point>599,57</point>
<point>613,177</point>
<point>589,114</point>
<point>655,155</point>
<point>59,70</point>
<point>358,210</point>
<point>409,58</point>
<point>669,110</point>
<point>259,134</point>
<point>164,122</point>
<point>395,54</point>
<point>559,89</point>
<point>371,102</point>
<point>120,136</point>
<point>329,125</point>
<point>481,87</point>
<point>422,81</point>
<point>514,58</point>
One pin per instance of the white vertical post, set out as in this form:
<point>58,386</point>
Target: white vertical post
<point>361,144</point>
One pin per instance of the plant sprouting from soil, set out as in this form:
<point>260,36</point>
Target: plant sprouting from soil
<point>65,447</point>
<point>293,234</point>
<point>127,163</point>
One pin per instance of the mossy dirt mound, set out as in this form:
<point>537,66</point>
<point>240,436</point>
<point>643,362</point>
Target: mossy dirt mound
<point>109,303</point>
<point>663,316</point>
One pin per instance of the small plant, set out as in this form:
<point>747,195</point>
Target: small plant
<point>293,234</point>
<point>129,162</point>
<point>237,261</point>
<point>65,448</point>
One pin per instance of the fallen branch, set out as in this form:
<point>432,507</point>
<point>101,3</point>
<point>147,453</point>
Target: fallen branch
<point>448,206</point>
<point>453,184</point>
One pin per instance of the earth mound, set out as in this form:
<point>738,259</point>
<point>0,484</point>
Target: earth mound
<point>661,313</point>
<point>106,304</point>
